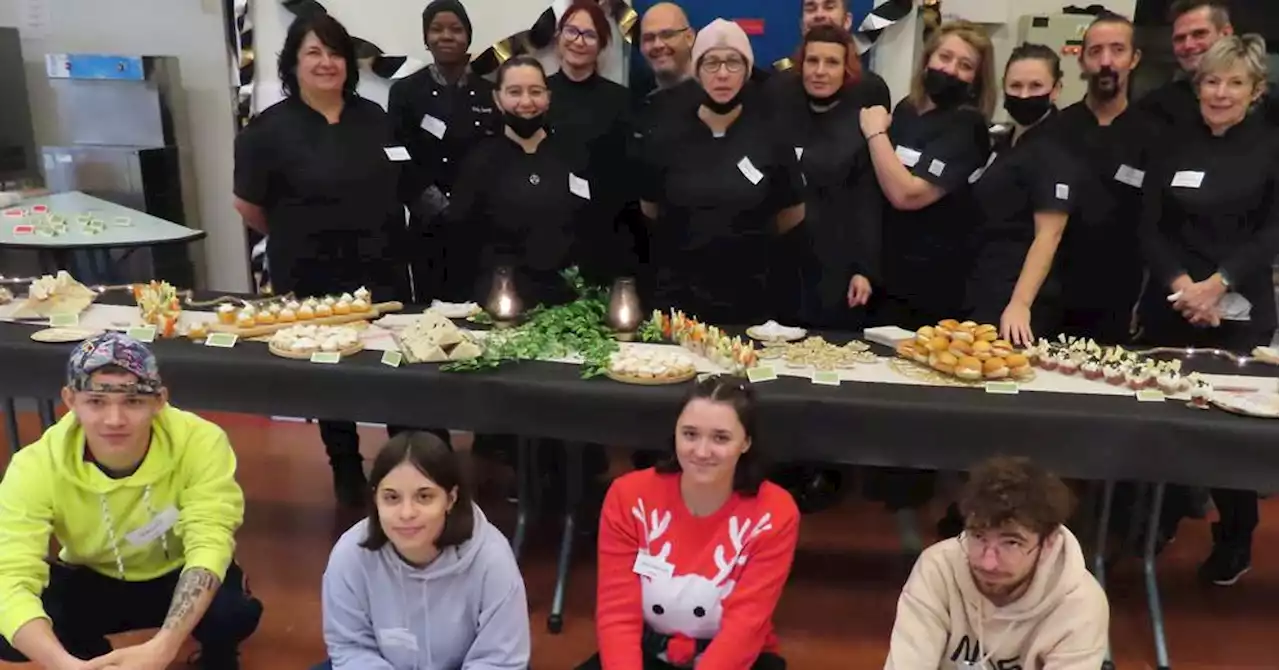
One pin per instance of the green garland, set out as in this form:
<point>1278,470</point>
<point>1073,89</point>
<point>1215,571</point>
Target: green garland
<point>553,332</point>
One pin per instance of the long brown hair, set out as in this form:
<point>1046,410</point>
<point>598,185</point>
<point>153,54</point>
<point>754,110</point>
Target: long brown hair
<point>984,83</point>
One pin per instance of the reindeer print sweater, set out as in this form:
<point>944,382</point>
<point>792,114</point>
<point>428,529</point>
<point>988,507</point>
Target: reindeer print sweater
<point>686,589</point>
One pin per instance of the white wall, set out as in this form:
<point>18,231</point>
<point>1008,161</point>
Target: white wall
<point>193,31</point>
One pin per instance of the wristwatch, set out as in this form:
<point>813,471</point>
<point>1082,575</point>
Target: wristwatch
<point>1225,278</point>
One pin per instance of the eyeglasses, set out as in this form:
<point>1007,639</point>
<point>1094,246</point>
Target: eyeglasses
<point>664,35</point>
<point>733,65</point>
<point>574,32</point>
<point>1005,548</point>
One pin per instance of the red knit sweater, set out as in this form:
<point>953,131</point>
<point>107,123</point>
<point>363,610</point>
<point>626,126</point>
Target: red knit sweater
<point>726,572</point>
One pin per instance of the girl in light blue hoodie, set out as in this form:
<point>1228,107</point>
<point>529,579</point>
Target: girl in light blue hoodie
<point>425,582</point>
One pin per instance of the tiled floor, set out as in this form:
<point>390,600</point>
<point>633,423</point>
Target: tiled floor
<point>836,613</point>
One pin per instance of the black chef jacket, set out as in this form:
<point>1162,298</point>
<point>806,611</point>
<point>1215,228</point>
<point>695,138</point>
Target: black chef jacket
<point>1210,204</point>
<point>332,194</point>
<point>1101,262</point>
<point>1035,175</point>
<point>1176,106</point>
<point>841,194</point>
<point>924,256</point>
<point>718,198</point>
<point>522,211</point>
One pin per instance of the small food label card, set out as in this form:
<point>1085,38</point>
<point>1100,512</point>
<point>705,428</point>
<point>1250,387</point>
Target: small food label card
<point>1150,395</point>
<point>826,377</point>
<point>221,340</point>
<point>761,374</point>
<point>326,357</point>
<point>143,333</point>
<point>1002,388</point>
<point>64,320</point>
<point>392,358</point>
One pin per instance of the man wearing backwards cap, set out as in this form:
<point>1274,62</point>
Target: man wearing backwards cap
<point>143,500</point>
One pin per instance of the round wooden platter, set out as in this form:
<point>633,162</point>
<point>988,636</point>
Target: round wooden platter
<point>649,381</point>
<point>300,356</point>
<point>371,314</point>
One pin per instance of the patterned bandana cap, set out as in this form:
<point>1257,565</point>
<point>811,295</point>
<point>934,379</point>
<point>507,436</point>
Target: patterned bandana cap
<point>122,351</point>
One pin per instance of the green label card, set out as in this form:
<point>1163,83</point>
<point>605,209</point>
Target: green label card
<point>1150,395</point>
<point>328,357</point>
<point>826,377</point>
<point>223,340</point>
<point>143,333</point>
<point>761,374</point>
<point>392,358</point>
<point>64,320</point>
<point>1002,388</point>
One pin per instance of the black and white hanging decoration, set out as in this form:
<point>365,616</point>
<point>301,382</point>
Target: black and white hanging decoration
<point>884,14</point>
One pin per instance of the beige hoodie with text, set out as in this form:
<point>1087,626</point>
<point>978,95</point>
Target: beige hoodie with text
<point>943,622</point>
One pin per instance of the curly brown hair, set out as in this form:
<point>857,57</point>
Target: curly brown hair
<point>1004,489</point>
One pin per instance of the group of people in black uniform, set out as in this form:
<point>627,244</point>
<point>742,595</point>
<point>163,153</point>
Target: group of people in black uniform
<point>740,193</point>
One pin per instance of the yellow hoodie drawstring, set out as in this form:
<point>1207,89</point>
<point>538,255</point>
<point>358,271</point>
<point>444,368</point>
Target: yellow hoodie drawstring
<point>114,541</point>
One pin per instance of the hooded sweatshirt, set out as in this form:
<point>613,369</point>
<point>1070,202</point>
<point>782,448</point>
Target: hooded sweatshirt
<point>943,621</point>
<point>464,611</point>
<point>181,508</point>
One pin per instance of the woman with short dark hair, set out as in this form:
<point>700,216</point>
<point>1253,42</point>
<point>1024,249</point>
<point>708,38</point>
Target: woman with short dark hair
<point>693,554</point>
<point>426,582</point>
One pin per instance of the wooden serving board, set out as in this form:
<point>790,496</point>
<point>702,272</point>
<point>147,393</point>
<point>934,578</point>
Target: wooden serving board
<point>258,331</point>
<point>300,356</point>
<point>645,381</point>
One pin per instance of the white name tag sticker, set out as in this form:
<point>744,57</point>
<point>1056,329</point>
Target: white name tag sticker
<point>396,154</point>
<point>799,153</point>
<point>1130,176</point>
<point>579,186</point>
<point>398,637</point>
<point>154,529</point>
<point>749,170</point>
<point>434,126</point>
<point>937,167</point>
<point>909,157</point>
<point>1187,179</point>
<point>652,566</point>
<point>1062,192</point>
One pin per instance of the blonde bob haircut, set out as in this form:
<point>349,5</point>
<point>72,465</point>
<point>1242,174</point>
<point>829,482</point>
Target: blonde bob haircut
<point>984,82</point>
<point>1251,50</point>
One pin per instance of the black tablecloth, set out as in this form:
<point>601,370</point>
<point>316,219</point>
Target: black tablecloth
<point>1087,436</point>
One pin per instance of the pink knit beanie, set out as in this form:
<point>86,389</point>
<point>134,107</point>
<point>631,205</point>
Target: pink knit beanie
<point>723,34</point>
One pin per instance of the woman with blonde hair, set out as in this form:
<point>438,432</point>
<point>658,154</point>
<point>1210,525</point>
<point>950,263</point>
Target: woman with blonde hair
<point>1210,234</point>
<point>925,158</point>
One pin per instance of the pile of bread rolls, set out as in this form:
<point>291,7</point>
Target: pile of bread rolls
<point>966,350</point>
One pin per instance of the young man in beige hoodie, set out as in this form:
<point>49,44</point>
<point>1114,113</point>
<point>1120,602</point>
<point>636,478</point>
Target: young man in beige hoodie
<point>1011,592</point>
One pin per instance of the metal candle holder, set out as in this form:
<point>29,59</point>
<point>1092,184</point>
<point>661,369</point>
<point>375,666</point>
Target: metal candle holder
<point>624,316</point>
<point>504,303</point>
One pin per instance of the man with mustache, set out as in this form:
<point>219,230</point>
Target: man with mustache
<point>1115,141</point>
<point>1197,25</point>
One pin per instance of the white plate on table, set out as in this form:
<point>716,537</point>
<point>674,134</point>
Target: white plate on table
<point>1262,403</point>
<point>455,310</point>
<point>772,331</point>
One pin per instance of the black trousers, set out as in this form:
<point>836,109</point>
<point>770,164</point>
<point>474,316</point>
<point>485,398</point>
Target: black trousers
<point>86,606</point>
<point>342,442</point>
<point>764,662</point>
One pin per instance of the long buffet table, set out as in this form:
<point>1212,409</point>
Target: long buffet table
<point>1087,436</point>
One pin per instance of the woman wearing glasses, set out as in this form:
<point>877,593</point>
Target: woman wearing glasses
<point>694,554</point>
<point>590,111</point>
<point>1011,591</point>
<point>719,187</point>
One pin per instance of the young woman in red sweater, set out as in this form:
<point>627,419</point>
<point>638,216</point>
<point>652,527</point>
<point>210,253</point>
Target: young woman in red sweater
<point>693,553</point>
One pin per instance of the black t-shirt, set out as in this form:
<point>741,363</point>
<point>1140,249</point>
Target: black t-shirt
<point>1032,176</point>
<point>925,253</point>
<point>1101,262</point>
<point>439,123</point>
<point>520,210</point>
<point>718,198</point>
<point>332,193</point>
<point>1209,205</point>
<point>1177,107</point>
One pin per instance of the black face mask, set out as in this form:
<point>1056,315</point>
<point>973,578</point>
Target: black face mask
<point>722,107</point>
<point>1026,111</point>
<point>1104,84</point>
<point>525,128</point>
<point>946,90</point>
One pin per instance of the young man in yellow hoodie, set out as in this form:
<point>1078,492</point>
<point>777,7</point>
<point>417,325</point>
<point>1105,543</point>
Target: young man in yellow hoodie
<point>1011,592</point>
<point>143,500</point>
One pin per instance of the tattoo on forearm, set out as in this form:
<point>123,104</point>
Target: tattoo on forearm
<point>192,585</point>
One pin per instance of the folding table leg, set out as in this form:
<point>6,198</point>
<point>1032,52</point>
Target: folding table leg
<point>573,498</point>
<point>524,474</point>
<point>1100,551</point>
<point>47,415</point>
<point>1149,574</point>
<point>10,410</point>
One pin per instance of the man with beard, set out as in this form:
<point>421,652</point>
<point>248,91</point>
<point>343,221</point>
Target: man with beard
<point>1197,25</point>
<point>1101,261</point>
<point>1012,591</point>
